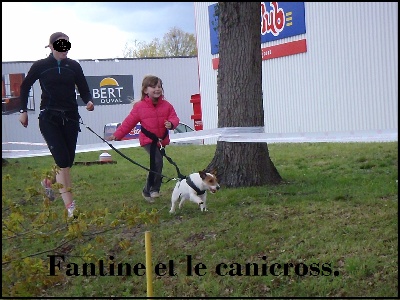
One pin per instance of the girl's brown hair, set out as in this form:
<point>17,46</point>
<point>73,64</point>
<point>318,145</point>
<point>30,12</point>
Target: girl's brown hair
<point>150,80</point>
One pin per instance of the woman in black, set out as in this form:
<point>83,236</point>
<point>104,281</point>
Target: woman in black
<point>59,117</point>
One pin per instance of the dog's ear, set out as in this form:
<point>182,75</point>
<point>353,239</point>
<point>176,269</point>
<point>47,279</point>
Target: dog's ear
<point>214,172</point>
<point>203,174</point>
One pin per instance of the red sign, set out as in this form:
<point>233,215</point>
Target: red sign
<point>276,51</point>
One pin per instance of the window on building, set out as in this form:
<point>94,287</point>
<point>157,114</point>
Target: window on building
<point>10,92</point>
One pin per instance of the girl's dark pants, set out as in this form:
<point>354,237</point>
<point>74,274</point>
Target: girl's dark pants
<point>60,131</point>
<point>158,160</point>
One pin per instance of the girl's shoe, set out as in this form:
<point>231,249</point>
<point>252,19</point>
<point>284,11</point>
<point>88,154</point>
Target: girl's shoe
<point>154,194</point>
<point>147,198</point>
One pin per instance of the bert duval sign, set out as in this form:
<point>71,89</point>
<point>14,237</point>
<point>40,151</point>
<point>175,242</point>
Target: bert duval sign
<point>109,90</point>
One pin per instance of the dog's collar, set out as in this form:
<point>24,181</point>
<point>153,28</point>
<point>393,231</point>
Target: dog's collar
<point>193,186</point>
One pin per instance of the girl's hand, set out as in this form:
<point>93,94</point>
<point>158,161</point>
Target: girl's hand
<point>111,138</point>
<point>168,124</point>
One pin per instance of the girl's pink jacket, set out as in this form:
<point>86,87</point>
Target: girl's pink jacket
<point>150,117</point>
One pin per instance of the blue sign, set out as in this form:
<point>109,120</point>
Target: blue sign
<point>278,20</point>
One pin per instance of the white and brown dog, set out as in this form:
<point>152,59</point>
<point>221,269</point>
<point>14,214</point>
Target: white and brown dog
<point>194,188</point>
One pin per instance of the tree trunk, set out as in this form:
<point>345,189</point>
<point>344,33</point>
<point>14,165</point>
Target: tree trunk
<point>240,102</point>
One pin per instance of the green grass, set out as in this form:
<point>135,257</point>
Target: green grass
<point>337,207</point>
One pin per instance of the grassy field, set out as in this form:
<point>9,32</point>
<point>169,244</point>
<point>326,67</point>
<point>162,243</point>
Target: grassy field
<point>330,230</point>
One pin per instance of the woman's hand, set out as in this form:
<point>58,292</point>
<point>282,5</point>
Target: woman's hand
<point>23,118</point>
<point>90,106</point>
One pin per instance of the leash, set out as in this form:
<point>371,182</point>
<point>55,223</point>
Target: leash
<point>162,149</point>
<point>155,140</point>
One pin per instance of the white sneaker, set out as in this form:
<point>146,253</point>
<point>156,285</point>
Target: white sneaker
<point>71,209</point>
<point>47,189</point>
<point>147,198</point>
<point>154,194</point>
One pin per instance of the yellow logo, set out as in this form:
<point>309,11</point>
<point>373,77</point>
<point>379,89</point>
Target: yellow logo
<point>108,81</point>
<point>109,91</point>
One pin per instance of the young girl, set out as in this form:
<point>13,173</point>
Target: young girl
<point>156,116</point>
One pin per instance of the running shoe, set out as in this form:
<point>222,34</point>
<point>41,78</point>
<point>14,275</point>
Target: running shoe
<point>154,194</point>
<point>71,209</point>
<point>147,198</point>
<point>46,184</point>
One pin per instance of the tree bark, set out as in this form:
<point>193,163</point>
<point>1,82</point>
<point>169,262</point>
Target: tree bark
<point>239,92</point>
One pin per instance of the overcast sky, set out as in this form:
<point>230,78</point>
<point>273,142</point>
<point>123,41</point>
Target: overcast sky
<point>96,30</point>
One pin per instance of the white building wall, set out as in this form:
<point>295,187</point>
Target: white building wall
<point>346,81</point>
<point>207,76</point>
<point>180,82</point>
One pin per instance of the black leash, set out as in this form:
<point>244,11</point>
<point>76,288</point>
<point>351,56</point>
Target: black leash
<point>162,149</point>
<point>154,145</point>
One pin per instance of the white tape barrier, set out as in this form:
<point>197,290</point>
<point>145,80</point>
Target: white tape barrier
<point>233,135</point>
<point>24,143</point>
<point>316,137</point>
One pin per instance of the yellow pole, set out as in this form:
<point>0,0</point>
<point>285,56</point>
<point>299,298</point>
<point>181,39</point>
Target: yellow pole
<point>149,273</point>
